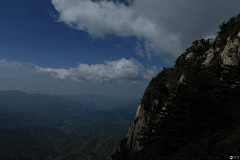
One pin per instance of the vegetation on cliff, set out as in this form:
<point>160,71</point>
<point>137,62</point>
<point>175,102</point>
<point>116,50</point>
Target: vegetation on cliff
<point>201,119</point>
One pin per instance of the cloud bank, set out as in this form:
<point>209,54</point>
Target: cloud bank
<point>14,69</point>
<point>164,26</point>
<point>122,69</point>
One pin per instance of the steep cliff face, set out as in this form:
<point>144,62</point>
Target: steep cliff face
<point>151,106</point>
<point>229,53</point>
<point>156,97</point>
<point>141,120</point>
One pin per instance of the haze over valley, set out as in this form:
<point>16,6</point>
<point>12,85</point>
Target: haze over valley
<point>36,119</point>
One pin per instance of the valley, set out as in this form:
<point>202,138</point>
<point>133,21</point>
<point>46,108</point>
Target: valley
<point>42,127</point>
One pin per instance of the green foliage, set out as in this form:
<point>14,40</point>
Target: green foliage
<point>198,50</point>
<point>160,87</point>
<point>180,62</point>
<point>202,119</point>
<point>228,29</point>
<point>201,122</point>
<point>156,90</point>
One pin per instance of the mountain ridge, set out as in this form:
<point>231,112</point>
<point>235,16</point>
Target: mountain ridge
<point>191,107</point>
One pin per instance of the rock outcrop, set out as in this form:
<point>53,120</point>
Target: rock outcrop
<point>230,54</point>
<point>229,51</point>
<point>145,116</point>
<point>141,120</point>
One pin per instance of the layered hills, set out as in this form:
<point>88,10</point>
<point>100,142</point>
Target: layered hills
<point>44,127</point>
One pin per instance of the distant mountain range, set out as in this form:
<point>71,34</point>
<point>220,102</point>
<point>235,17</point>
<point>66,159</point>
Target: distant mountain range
<point>14,101</point>
<point>94,101</point>
<point>84,108</point>
<point>85,126</point>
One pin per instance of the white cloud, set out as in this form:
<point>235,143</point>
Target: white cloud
<point>139,50</point>
<point>13,65</point>
<point>14,68</point>
<point>122,69</point>
<point>165,26</point>
<point>104,17</point>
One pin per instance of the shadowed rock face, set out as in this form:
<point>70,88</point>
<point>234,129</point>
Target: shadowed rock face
<point>144,117</point>
<point>141,119</point>
<point>229,53</point>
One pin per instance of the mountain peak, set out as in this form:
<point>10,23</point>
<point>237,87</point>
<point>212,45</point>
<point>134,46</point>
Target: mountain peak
<point>204,59</point>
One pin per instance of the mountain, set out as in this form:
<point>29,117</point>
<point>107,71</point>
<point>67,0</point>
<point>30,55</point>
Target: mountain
<point>25,150</point>
<point>36,126</point>
<point>18,109</point>
<point>15,101</point>
<point>21,119</point>
<point>101,146</point>
<point>92,98</point>
<point>38,142</point>
<point>102,128</point>
<point>32,142</point>
<point>191,110</point>
<point>86,156</point>
<point>96,102</point>
<point>122,113</point>
<point>38,134</point>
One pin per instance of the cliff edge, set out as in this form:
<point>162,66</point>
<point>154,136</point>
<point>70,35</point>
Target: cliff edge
<point>157,95</point>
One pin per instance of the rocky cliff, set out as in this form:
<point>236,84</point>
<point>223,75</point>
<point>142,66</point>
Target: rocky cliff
<point>149,111</point>
<point>156,97</point>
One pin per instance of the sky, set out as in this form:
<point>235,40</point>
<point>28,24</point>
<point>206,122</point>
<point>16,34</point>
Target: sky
<point>105,47</point>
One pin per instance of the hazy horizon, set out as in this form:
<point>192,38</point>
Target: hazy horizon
<point>116,98</point>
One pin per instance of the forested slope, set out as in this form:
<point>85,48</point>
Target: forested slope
<point>191,111</point>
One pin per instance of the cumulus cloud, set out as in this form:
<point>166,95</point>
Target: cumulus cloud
<point>164,26</point>
<point>105,17</point>
<point>121,69</point>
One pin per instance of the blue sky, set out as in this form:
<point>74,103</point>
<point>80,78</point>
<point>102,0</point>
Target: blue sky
<point>99,47</point>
